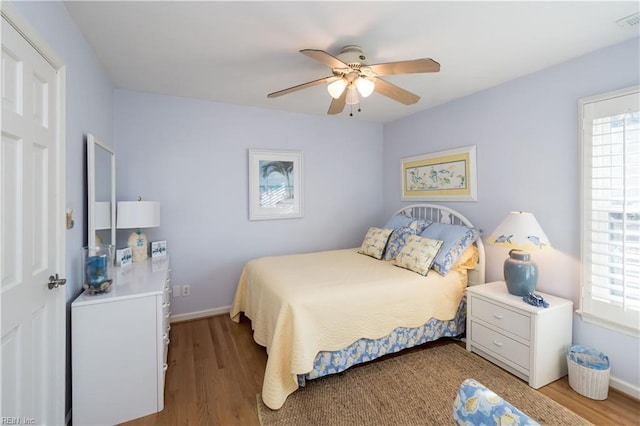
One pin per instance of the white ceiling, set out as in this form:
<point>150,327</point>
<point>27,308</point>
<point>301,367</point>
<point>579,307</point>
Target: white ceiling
<point>238,52</point>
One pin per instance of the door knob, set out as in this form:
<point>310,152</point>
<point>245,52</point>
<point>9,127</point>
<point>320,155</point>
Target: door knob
<point>55,281</point>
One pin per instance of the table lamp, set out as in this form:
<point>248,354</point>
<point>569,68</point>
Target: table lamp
<point>136,215</point>
<point>521,232</point>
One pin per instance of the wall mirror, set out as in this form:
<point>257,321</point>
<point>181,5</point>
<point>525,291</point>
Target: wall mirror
<point>101,192</point>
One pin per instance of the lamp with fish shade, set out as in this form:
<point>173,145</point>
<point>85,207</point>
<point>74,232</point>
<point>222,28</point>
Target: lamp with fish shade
<point>521,232</point>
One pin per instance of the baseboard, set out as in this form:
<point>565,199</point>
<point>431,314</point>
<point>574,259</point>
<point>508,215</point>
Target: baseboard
<point>624,387</point>
<point>200,314</point>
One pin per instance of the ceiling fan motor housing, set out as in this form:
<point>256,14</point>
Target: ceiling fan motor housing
<point>353,54</point>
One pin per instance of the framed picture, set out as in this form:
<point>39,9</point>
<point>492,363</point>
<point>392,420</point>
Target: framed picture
<point>441,176</point>
<point>123,256</point>
<point>275,184</point>
<point>158,248</point>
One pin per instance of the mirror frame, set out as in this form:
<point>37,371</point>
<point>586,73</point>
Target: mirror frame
<point>92,143</point>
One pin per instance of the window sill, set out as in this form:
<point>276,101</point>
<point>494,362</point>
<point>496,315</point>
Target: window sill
<point>592,319</point>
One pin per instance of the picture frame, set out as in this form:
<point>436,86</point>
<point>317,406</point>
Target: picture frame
<point>275,184</point>
<point>158,248</point>
<point>449,175</point>
<point>124,256</point>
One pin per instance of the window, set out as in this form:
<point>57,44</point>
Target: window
<point>610,244</point>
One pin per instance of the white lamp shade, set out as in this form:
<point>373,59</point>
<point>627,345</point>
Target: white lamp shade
<point>138,214</point>
<point>365,86</point>
<point>520,230</point>
<point>352,95</point>
<point>336,88</point>
<point>103,215</point>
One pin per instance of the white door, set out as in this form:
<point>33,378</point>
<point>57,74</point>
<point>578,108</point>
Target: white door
<point>32,197</point>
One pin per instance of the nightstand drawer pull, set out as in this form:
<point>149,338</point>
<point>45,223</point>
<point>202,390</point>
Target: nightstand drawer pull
<point>497,343</point>
<point>497,315</point>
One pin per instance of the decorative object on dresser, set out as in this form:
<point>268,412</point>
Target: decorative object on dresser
<point>136,215</point>
<point>123,256</point>
<point>119,344</point>
<point>158,248</point>
<point>528,341</point>
<point>97,268</point>
<point>521,232</point>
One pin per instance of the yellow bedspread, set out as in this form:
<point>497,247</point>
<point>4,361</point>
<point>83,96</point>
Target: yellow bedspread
<point>302,304</point>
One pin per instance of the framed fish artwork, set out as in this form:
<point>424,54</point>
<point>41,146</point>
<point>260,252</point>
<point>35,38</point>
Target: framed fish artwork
<point>441,176</point>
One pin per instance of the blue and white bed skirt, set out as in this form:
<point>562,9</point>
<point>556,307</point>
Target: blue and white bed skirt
<point>364,350</point>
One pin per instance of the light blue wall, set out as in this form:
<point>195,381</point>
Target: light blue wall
<point>526,133</point>
<point>192,157</point>
<point>89,106</point>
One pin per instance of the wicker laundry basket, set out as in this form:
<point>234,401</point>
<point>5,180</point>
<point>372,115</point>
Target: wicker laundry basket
<point>588,372</point>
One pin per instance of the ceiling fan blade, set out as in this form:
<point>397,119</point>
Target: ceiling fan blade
<point>337,105</point>
<point>325,58</point>
<point>303,86</point>
<point>406,67</point>
<point>396,93</point>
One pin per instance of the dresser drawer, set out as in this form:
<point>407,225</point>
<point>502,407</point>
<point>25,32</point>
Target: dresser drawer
<point>506,319</point>
<point>501,345</point>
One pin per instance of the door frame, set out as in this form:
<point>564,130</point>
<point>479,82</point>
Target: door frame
<point>12,16</point>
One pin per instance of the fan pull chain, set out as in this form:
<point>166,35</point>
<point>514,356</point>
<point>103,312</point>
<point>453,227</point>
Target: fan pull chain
<point>351,107</point>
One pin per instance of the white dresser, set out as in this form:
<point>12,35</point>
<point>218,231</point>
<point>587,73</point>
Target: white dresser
<point>526,340</point>
<point>119,343</point>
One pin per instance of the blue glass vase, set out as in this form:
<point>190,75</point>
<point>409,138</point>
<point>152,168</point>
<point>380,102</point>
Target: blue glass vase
<point>520,273</point>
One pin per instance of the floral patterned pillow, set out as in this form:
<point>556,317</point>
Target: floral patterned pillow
<point>418,254</point>
<point>477,405</point>
<point>399,237</point>
<point>375,242</point>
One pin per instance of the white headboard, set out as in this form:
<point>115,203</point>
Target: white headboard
<point>442,214</point>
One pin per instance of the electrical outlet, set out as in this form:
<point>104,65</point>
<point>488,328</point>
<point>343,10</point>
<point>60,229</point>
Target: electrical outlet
<point>186,290</point>
<point>176,291</point>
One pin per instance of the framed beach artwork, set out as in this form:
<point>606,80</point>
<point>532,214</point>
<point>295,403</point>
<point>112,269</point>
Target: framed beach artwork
<point>441,176</point>
<point>275,184</point>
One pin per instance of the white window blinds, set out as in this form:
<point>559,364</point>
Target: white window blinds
<point>610,144</point>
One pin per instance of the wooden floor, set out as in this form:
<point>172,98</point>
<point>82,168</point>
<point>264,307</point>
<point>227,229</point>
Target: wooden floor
<point>216,370</point>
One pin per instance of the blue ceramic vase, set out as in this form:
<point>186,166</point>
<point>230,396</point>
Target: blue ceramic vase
<point>520,273</point>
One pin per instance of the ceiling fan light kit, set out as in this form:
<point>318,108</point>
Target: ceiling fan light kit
<point>352,96</point>
<point>353,77</point>
<point>336,88</point>
<point>365,86</point>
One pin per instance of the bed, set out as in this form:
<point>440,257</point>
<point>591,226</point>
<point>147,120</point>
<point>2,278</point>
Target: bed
<point>321,313</point>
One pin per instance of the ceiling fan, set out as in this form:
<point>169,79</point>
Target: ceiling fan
<point>353,77</point>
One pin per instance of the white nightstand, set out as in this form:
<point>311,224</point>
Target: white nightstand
<point>526,340</point>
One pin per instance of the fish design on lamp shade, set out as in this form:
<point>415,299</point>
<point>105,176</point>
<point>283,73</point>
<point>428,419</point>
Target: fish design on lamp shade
<point>504,239</point>
<point>535,240</point>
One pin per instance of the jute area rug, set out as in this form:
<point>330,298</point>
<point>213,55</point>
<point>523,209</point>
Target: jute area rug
<point>415,388</point>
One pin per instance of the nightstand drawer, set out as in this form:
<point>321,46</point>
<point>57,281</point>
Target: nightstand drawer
<point>505,319</point>
<point>500,344</point>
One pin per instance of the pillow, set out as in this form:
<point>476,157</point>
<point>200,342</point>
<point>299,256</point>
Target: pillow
<point>468,259</point>
<point>418,254</point>
<point>375,242</point>
<point>399,237</point>
<point>456,238</point>
<point>400,220</point>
